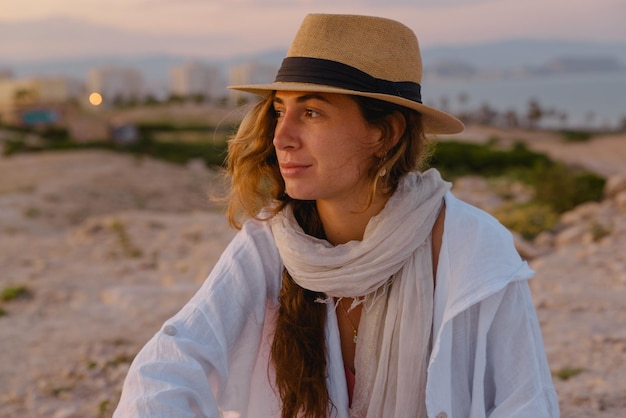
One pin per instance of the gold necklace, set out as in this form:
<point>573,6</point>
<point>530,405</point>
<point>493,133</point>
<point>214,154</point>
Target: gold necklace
<point>355,331</point>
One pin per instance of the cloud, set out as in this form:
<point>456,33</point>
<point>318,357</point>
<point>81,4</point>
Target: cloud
<point>66,37</point>
<point>222,27</point>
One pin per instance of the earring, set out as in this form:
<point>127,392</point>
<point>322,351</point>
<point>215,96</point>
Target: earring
<point>381,163</point>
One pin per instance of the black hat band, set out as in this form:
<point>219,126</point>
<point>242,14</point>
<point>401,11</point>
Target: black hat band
<point>335,74</point>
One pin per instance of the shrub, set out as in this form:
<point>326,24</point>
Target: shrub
<point>460,158</point>
<point>15,292</point>
<point>567,372</point>
<point>556,188</point>
<point>557,185</point>
<point>212,152</point>
<point>564,188</point>
<point>599,231</point>
<point>575,136</point>
<point>527,219</point>
<point>129,249</point>
<point>14,146</point>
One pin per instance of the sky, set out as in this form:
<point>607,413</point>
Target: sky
<point>225,27</point>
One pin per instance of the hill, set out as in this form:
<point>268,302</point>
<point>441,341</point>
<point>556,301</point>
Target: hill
<point>41,48</point>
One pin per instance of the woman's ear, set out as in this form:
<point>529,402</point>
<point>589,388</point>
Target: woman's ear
<point>397,126</point>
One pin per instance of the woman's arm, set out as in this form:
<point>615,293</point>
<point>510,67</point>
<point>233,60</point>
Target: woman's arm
<point>202,358</point>
<point>517,380</point>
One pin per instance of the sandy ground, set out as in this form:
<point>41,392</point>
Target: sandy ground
<point>109,246</point>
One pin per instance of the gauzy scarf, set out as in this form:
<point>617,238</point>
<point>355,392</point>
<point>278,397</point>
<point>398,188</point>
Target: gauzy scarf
<point>390,271</point>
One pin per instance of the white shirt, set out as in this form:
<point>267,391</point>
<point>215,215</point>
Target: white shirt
<point>212,358</point>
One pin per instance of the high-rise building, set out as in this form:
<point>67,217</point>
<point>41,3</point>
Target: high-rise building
<point>195,79</point>
<point>116,84</point>
<point>252,72</point>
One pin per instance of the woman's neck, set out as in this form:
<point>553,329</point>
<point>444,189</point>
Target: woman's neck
<point>343,223</point>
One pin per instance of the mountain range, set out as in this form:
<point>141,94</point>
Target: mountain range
<point>72,47</point>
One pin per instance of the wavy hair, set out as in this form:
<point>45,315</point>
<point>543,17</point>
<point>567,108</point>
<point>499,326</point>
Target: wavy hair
<point>257,191</point>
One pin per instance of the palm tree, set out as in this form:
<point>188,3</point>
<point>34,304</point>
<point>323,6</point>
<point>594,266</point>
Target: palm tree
<point>535,113</point>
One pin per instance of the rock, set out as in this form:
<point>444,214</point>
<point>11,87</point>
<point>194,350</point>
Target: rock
<point>66,412</point>
<point>580,213</point>
<point>620,200</point>
<point>572,235</point>
<point>614,185</point>
<point>527,250</point>
<point>545,240</point>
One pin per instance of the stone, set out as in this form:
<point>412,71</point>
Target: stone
<point>614,185</point>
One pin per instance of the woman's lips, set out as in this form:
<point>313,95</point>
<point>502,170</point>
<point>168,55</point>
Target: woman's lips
<point>292,169</point>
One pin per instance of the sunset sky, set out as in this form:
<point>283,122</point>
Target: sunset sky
<point>243,26</point>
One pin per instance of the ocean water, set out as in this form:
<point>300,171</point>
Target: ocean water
<point>591,100</point>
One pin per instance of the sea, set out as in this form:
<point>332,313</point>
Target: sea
<point>589,100</point>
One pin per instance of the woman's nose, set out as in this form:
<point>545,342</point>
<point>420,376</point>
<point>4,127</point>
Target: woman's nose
<point>286,133</point>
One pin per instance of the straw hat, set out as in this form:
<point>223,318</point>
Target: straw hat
<point>359,55</point>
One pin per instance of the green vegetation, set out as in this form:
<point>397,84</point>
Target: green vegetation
<point>556,188</point>
<point>32,212</point>
<point>576,136</point>
<point>599,231</point>
<point>528,219</point>
<point>11,293</point>
<point>120,359</point>
<point>129,249</point>
<point>455,159</point>
<point>104,408</point>
<point>165,141</point>
<point>58,391</point>
<point>567,372</point>
<point>564,188</point>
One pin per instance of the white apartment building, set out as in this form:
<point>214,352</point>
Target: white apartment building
<point>195,79</point>
<point>252,72</point>
<point>115,84</point>
<point>38,91</point>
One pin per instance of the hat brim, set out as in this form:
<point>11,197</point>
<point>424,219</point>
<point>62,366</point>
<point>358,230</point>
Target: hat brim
<point>434,121</point>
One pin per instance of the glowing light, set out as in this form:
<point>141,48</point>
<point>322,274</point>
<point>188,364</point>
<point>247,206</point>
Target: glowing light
<point>95,99</point>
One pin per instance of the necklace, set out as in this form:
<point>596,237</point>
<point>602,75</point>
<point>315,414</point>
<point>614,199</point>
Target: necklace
<point>355,331</point>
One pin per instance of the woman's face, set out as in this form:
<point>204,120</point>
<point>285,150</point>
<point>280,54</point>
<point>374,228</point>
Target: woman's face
<point>325,147</point>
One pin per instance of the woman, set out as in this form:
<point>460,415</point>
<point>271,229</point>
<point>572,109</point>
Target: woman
<point>357,285</point>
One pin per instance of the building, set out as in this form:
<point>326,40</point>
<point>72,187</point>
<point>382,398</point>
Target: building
<point>116,85</point>
<point>252,72</point>
<point>195,80</point>
<point>37,99</point>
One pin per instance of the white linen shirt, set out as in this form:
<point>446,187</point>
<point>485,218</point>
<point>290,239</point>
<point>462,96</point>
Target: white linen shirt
<point>212,358</point>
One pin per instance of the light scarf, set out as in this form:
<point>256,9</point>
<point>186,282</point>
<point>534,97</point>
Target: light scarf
<point>390,271</point>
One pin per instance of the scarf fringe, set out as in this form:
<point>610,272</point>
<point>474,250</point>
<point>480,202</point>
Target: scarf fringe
<point>367,301</point>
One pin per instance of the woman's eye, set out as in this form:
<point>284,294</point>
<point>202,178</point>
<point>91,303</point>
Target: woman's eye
<point>279,113</point>
<point>312,113</point>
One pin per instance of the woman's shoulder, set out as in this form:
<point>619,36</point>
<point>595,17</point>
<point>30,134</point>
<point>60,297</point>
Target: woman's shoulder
<point>250,262</point>
<point>464,218</point>
<point>480,254</point>
<point>476,241</point>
